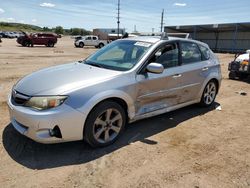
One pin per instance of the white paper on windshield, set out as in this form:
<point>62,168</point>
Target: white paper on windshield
<point>143,44</point>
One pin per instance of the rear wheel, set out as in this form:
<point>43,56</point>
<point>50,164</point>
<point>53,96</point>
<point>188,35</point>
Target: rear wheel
<point>104,124</point>
<point>209,94</point>
<point>81,44</point>
<point>50,44</point>
<point>101,45</point>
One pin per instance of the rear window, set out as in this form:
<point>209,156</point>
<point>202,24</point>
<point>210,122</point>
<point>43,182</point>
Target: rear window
<point>205,52</point>
<point>190,53</point>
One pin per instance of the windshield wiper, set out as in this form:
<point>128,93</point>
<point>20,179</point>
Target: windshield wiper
<point>94,64</point>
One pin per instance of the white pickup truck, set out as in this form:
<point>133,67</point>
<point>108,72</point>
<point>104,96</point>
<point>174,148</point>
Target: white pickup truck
<point>90,40</point>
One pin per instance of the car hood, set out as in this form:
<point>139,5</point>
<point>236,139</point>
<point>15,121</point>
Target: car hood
<point>242,57</point>
<point>62,79</point>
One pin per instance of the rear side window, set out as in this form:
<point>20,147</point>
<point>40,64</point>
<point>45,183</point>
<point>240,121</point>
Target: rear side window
<point>205,52</point>
<point>190,53</point>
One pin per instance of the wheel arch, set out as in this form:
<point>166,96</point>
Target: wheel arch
<point>117,96</point>
<point>209,79</point>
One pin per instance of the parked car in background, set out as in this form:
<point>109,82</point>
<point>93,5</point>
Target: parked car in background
<point>3,34</point>
<point>127,80</point>
<point>90,40</point>
<point>240,67</point>
<point>47,39</point>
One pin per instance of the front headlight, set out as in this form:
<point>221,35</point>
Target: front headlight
<point>44,103</point>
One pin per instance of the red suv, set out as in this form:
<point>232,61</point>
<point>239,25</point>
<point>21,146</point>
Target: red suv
<point>47,39</point>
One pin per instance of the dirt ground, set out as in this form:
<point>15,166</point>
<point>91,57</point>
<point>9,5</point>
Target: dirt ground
<point>190,147</point>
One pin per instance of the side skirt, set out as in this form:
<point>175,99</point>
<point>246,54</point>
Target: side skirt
<point>162,111</point>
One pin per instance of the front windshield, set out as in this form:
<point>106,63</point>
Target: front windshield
<point>120,55</point>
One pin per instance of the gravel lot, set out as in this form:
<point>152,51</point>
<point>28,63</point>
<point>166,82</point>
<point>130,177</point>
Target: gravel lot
<point>190,147</point>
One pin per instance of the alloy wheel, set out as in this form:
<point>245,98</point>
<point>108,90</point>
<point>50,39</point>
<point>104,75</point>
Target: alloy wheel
<point>210,93</point>
<point>107,125</point>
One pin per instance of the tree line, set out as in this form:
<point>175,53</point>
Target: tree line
<point>5,26</point>
<point>72,31</point>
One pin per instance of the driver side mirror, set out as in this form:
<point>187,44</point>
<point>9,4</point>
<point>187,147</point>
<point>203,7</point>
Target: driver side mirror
<point>155,68</point>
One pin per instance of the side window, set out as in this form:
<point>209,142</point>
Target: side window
<point>94,38</point>
<point>168,55</point>
<point>88,38</point>
<point>205,52</point>
<point>190,53</point>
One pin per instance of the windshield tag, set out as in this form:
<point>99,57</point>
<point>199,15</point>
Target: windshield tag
<point>144,44</point>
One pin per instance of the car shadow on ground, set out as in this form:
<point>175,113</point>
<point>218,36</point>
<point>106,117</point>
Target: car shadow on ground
<point>40,156</point>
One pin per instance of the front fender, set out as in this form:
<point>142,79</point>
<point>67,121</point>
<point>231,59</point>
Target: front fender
<point>93,101</point>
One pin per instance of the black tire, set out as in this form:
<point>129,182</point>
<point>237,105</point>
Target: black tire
<point>242,76</point>
<point>232,75</point>
<point>26,43</point>
<point>51,44</point>
<point>95,133</point>
<point>209,94</point>
<point>248,79</point>
<point>101,45</point>
<point>81,44</point>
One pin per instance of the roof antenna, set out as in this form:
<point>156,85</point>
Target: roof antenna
<point>164,36</point>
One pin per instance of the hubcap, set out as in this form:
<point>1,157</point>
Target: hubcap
<point>210,93</point>
<point>107,125</point>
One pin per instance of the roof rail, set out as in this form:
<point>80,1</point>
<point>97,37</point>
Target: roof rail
<point>180,35</point>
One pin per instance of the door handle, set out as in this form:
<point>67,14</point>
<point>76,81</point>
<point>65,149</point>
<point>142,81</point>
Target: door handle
<point>205,69</point>
<point>177,76</point>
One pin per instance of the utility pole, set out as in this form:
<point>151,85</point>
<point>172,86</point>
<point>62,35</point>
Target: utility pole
<point>162,17</point>
<point>135,31</point>
<point>118,19</point>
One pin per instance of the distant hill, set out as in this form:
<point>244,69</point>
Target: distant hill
<point>5,26</point>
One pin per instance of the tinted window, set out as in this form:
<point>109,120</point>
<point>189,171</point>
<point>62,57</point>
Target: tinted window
<point>168,56</point>
<point>94,38</point>
<point>205,52</point>
<point>88,38</point>
<point>190,53</point>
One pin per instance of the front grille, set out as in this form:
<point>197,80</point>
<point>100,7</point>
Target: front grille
<point>19,98</point>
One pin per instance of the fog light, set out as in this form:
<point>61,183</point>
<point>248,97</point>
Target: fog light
<point>55,132</point>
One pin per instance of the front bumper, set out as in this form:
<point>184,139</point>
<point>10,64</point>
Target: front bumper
<point>238,67</point>
<point>38,124</point>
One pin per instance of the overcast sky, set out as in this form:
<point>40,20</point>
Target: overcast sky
<point>145,14</point>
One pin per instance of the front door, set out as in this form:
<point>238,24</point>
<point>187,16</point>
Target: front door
<point>158,91</point>
<point>88,41</point>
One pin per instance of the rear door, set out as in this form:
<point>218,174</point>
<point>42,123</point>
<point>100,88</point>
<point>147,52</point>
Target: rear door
<point>193,70</point>
<point>159,91</point>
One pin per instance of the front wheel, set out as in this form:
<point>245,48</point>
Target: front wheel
<point>209,94</point>
<point>104,124</point>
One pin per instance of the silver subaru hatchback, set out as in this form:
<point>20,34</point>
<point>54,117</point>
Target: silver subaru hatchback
<point>128,80</point>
